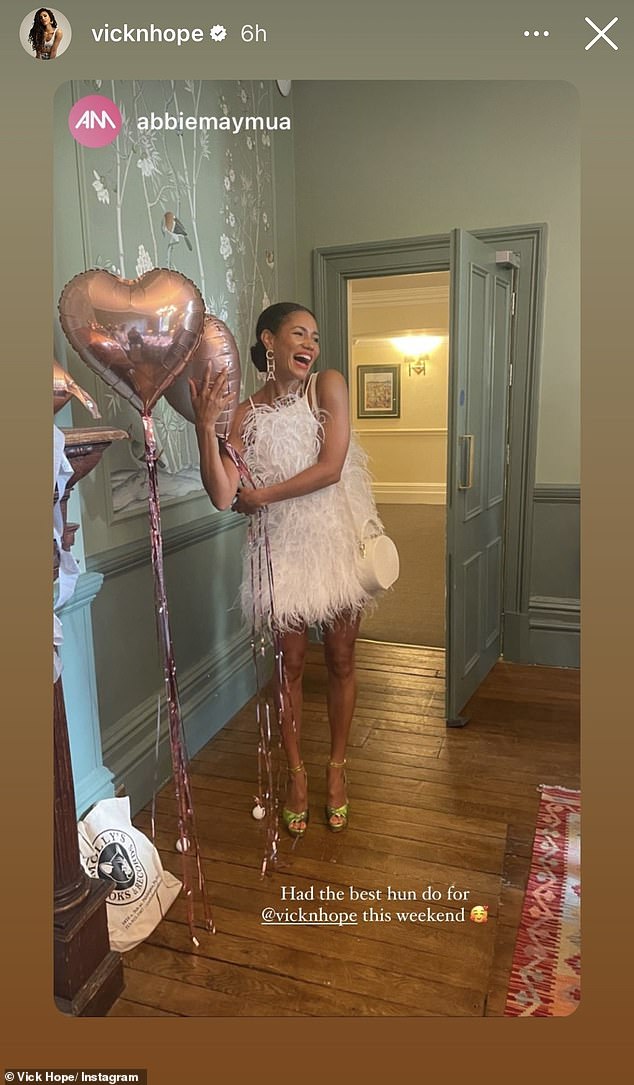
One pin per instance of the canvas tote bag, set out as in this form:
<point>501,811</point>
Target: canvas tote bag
<point>112,849</point>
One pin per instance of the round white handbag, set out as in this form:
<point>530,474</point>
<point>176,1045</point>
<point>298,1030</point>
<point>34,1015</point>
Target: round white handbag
<point>378,565</point>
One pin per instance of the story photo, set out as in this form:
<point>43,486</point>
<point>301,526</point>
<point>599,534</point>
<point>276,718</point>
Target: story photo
<point>316,382</point>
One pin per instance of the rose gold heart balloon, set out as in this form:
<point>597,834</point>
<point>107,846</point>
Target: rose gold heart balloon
<point>64,388</point>
<point>136,334</point>
<point>218,347</point>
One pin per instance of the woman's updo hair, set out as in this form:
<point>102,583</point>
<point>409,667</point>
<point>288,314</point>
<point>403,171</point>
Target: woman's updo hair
<point>270,320</point>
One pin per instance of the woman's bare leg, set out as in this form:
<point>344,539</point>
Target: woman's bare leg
<point>339,642</point>
<point>294,653</point>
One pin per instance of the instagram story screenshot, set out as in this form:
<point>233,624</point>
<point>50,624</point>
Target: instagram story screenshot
<point>303,377</point>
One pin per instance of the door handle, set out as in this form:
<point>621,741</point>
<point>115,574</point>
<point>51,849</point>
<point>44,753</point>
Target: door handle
<point>467,444</point>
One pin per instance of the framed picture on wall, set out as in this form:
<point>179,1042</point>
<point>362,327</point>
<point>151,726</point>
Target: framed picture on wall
<point>378,391</point>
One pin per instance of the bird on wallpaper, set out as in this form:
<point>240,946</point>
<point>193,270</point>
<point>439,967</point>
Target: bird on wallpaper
<point>173,230</point>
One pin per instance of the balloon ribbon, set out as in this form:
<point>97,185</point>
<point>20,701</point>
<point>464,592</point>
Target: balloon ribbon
<point>187,833</point>
<point>261,571</point>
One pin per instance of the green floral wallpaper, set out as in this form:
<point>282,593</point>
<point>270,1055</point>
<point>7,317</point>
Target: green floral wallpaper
<point>201,202</point>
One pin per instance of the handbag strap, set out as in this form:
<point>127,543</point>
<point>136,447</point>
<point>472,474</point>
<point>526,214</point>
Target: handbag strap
<point>310,392</point>
<point>360,533</point>
<point>357,534</point>
<point>371,520</point>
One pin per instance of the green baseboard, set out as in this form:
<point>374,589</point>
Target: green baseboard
<point>548,635</point>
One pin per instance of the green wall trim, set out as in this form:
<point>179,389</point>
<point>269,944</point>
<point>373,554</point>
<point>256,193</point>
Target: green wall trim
<point>92,780</point>
<point>553,613</point>
<point>553,633</point>
<point>563,493</point>
<point>211,692</point>
<point>548,636</point>
<point>90,789</point>
<point>548,631</point>
<point>87,587</point>
<point>334,265</point>
<point>121,559</point>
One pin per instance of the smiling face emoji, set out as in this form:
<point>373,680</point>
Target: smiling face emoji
<point>479,913</point>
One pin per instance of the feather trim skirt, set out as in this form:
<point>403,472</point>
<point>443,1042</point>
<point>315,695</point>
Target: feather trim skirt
<point>313,541</point>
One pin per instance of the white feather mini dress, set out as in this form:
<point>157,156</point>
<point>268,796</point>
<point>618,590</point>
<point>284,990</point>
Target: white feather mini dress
<point>313,540</point>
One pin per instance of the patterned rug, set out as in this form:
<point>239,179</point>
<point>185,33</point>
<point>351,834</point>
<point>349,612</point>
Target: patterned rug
<point>545,976</point>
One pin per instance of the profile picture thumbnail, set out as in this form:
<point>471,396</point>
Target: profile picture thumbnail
<point>45,33</point>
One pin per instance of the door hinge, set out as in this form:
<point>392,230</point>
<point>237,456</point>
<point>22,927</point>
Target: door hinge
<point>508,454</point>
<point>513,302</point>
<point>510,374</point>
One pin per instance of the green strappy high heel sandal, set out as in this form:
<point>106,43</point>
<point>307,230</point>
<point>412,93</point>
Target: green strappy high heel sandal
<point>339,812</point>
<point>292,820</point>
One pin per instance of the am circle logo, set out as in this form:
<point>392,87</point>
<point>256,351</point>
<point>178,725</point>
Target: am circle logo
<point>94,121</point>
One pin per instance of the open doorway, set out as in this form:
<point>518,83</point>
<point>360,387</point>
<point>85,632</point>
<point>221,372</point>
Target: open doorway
<point>398,335</point>
<point>489,499</point>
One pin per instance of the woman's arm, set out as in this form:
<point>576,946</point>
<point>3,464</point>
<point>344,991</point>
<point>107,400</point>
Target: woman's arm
<point>219,475</point>
<point>333,401</point>
<point>59,33</point>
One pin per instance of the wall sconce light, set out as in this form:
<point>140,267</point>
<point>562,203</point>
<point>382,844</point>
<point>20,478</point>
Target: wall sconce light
<point>417,351</point>
<point>417,364</point>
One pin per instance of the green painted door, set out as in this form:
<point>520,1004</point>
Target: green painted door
<point>480,305</point>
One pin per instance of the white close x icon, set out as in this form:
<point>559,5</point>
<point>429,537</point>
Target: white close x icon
<point>601,33</point>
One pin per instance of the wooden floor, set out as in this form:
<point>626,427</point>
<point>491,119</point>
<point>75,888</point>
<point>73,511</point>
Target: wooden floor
<point>430,807</point>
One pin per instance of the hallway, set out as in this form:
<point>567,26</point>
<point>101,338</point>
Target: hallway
<point>413,610</point>
<point>430,807</point>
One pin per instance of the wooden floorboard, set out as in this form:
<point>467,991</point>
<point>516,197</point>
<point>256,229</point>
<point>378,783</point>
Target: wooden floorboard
<point>432,810</point>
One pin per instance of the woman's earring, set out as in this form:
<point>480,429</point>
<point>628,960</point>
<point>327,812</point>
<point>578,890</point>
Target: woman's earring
<point>270,365</point>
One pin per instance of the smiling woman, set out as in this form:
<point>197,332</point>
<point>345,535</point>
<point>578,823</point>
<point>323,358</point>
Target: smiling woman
<point>311,490</point>
<point>45,35</point>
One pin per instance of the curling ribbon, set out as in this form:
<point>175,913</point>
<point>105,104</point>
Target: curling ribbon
<point>269,773</point>
<point>187,833</point>
<point>268,777</point>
